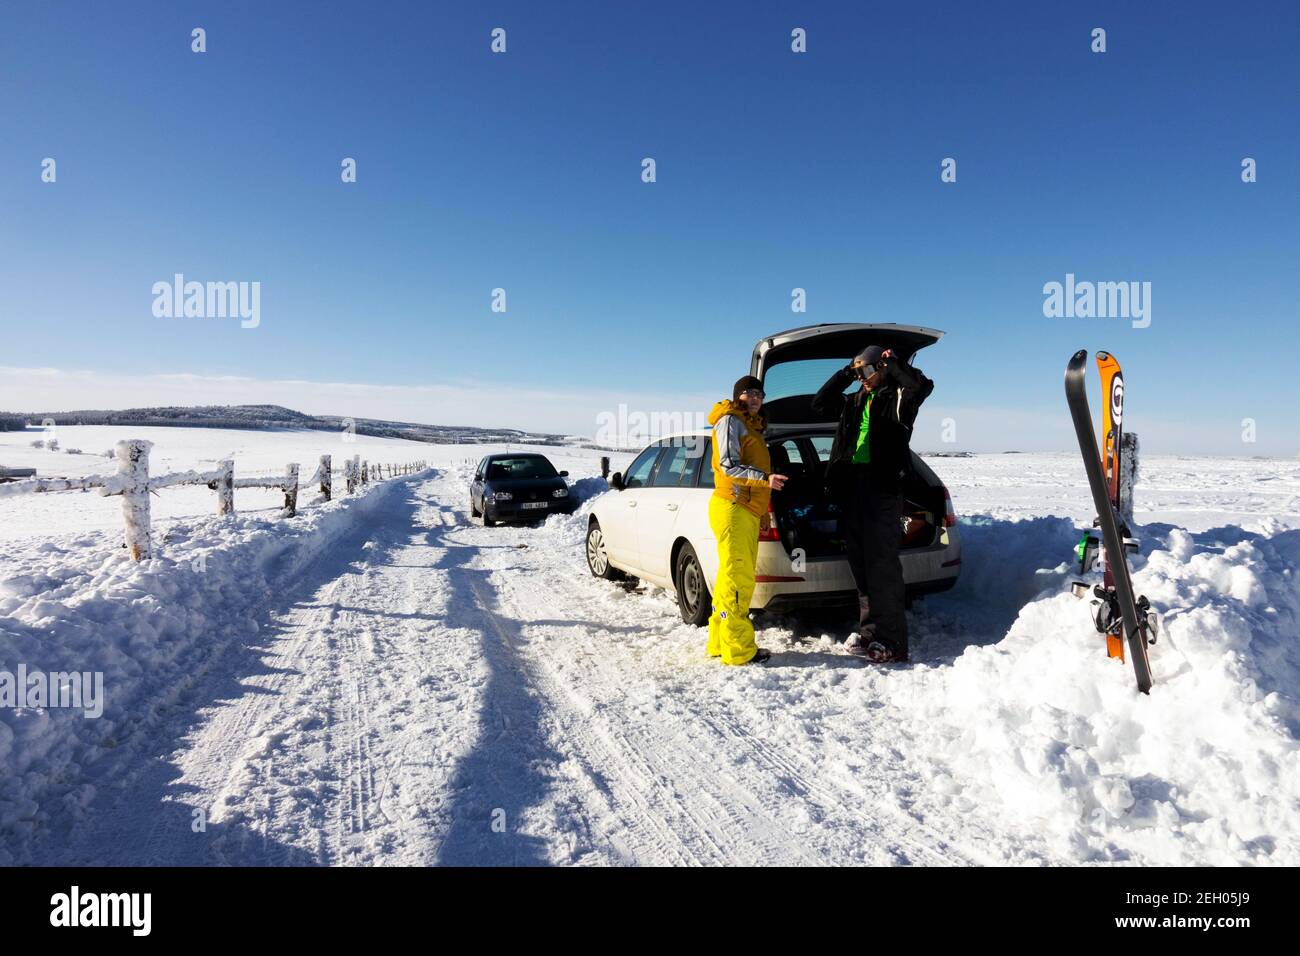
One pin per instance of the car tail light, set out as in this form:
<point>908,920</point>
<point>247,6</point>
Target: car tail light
<point>949,513</point>
<point>770,532</point>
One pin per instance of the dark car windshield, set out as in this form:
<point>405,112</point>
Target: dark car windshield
<point>520,469</point>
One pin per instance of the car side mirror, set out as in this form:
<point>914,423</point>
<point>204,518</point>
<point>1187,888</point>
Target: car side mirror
<point>616,481</point>
<point>564,474</point>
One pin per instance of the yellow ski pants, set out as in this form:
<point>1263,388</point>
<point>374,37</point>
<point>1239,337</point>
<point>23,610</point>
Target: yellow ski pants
<point>731,635</point>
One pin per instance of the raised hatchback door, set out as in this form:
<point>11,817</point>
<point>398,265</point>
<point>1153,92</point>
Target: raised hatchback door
<point>794,364</point>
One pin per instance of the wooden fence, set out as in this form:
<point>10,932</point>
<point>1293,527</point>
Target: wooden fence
<point>134,483</point>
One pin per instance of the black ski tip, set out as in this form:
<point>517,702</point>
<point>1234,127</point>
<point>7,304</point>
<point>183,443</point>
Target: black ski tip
<point>1075,368</point>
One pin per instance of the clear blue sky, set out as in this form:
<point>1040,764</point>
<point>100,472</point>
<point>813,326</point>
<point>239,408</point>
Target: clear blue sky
<point>775,170</point>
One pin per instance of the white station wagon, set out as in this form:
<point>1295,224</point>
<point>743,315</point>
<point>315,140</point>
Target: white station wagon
<point>653,524</point>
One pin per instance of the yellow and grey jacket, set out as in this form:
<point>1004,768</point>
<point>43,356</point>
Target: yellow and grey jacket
<point>741,463</point>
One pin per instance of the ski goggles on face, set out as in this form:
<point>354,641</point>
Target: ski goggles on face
<point>864,372</point>
<point>754,392</point>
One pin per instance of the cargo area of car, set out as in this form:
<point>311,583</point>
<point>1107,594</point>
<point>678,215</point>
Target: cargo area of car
<point>807,519</point>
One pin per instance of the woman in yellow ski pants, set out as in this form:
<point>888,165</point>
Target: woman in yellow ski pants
<point>742,489</point>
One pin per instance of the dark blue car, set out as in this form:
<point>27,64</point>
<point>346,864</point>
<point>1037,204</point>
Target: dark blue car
<point>518,487</point>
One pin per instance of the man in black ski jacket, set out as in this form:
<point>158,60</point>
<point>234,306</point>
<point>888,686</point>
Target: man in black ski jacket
<point>871,458</point>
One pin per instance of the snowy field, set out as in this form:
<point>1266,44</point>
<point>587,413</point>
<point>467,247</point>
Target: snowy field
<point>382,681</point>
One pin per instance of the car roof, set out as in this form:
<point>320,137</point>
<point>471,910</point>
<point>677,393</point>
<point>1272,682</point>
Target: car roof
<point>522,454</point>
<point>655,442</point>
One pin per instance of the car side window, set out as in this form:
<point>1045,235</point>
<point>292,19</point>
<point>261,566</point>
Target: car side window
<point>671,465</point>
<point>822,445</point>
<point>706,466</point>
<point>638,473</point>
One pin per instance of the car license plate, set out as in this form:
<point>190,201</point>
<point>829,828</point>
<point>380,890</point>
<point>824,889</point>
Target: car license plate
<point>533,504</point>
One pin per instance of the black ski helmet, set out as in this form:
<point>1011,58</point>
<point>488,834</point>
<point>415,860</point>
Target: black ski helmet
<point>870,355</point>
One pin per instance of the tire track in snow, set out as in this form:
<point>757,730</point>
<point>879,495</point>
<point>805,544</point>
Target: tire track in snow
<point>670,785</point>
<point>633,845</point>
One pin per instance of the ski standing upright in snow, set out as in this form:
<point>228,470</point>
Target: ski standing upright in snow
<point>1123,618</point>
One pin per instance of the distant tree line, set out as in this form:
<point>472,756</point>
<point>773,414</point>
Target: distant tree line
<point>266,417</point>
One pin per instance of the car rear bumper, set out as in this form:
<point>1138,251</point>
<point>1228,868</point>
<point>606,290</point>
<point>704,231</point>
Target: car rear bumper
<point>829,581</point>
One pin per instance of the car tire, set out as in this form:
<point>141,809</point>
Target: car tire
<point>597,557</point>
<point>473,512</point>
<point>693,598</point>
<point>487,522</point>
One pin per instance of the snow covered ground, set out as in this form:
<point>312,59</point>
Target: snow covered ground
<point>382,681</point>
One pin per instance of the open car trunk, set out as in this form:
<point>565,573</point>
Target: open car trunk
<point>807,519</point>
<point>794,364</point>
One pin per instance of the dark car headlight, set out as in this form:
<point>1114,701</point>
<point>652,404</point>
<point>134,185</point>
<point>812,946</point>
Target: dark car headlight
<point>560,493</point>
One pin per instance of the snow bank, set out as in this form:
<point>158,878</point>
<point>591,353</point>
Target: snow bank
<point>1206,770</point>
<point>151,628</point>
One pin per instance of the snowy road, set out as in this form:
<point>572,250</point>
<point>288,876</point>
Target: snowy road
<point>414,688</point>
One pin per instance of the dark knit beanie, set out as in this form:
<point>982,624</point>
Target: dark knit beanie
<point>744,384</point>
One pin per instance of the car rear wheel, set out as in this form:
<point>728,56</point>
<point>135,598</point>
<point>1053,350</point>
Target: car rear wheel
<point>597,556</point>
<point>693,598</point>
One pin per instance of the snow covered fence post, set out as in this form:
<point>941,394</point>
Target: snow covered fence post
<point>326,484</point>
<point>1128,474</point>
<point>290,489</point>
<point>133,469</point>
<point>225,485</point>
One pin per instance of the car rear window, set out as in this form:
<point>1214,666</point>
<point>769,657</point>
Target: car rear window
<point>801,378</point>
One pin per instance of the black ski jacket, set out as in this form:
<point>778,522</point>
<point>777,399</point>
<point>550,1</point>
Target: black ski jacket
<point>893,411</point>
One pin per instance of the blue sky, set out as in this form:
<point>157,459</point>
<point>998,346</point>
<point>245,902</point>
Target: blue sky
<point>775,171</point>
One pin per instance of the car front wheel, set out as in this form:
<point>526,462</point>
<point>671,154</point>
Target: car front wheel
<point>693,598</point>
<point>597,556</point>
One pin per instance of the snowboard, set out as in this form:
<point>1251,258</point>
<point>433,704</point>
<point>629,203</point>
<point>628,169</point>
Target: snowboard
<point>1126,620</point>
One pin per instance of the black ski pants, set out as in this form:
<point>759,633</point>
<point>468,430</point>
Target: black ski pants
<point>873,529</point>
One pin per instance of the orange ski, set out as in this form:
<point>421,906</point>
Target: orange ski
<point>1112,425</point>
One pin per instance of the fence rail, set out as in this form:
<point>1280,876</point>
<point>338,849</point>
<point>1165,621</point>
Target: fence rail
<point>134,483</point>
